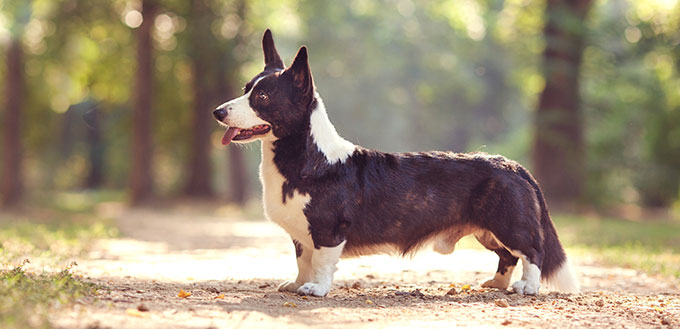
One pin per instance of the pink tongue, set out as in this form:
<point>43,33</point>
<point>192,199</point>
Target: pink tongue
<point>229,135</point>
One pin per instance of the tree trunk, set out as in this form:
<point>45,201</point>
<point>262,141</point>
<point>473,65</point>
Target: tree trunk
<point>140,176</point>
<point>11,178</point>
<point>238,176</point>
<point>95,176</point>
<point>558,150</point>
<point>205,54</point>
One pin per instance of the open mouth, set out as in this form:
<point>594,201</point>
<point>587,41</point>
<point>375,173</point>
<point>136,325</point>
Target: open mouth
<point>239,134</point>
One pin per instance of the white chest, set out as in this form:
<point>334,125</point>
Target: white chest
<point>288,215</point>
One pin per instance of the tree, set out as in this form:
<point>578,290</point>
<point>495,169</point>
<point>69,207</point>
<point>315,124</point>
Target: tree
<point>558,148</point>
<point>204,51</point>
<point>141,181</point>
<point>11,179</point>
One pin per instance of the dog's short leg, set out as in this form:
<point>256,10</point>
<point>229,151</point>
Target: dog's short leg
<point>516,248</point>
<point>531,276</point>
<point>323,268</point>
<point>304,262</point>
<point>506,261</point>
<point>506,264</point>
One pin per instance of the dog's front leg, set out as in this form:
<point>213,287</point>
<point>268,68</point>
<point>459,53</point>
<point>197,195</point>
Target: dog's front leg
<point>304,262</point>
<point>323,268</point>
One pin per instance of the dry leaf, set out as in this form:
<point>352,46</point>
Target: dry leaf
<point>465,287</point>
<point>135,313</point>
<point>451,291</point>
<point>368,301</point>
<point>183,294</point>
<point>452,285</point>
<point>220,296</point>
<point>501,302</point>
<point>289,304</point>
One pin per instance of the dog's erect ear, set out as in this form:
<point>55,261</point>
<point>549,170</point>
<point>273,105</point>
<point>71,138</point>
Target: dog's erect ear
<point>272,60</point>
<point>301,75</point>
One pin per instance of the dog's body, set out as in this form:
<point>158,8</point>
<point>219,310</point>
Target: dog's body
<point>337,199</point>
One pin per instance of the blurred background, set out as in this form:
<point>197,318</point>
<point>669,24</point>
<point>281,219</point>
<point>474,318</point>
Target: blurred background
<point>115,96</point>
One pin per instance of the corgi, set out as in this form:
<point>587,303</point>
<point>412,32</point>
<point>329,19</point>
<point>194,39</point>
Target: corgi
<point>337,199</point>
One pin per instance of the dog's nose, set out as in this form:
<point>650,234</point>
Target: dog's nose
<point>220,114</point>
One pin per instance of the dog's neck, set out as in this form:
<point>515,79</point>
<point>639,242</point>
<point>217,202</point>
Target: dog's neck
<point>324,135</point>
<point>321,133</point>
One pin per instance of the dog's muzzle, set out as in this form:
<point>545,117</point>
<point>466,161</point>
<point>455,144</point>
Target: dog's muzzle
<point>220,114</point>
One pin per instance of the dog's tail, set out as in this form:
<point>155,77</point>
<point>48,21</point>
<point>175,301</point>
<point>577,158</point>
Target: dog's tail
<point>555,270</point>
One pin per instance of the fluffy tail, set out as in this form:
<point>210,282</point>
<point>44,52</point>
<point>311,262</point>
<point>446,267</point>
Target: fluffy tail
<point>555,270</point>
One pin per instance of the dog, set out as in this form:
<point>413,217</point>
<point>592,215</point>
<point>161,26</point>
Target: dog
<point>336,199</point>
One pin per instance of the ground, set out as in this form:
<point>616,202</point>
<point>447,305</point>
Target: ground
<point>231,266</point>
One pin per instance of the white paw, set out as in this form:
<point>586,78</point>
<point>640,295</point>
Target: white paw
<point>289,286</point>
<point>314,289</point>
<point>524,287</point>
<point>495,283</point>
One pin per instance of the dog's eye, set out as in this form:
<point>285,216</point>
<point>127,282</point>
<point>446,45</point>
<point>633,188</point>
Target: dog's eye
<point>262,96</point>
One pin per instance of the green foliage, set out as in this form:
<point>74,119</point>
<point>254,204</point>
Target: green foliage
<point>632,108</point>
<point>396,75</point>
<point>58,228</point>
<point>26,299</point>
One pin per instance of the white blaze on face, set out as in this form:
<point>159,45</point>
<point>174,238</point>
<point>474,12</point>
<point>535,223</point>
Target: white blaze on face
<point>240,115</point>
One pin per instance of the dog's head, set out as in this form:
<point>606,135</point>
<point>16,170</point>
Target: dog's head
<point>276,102</point>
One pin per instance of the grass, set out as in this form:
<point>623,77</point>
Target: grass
<point>51,233</point>
<point>651,246</point>
<point>53,230</point>
<point>27,298</point>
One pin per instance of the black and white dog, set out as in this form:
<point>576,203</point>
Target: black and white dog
<point>337,199</point>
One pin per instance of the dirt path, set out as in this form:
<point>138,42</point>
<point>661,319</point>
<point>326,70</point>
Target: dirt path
<point>232,266</point>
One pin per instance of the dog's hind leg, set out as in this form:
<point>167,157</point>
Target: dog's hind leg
<point>304,262</point>
<point>524,242</point>
<point>506,261</point>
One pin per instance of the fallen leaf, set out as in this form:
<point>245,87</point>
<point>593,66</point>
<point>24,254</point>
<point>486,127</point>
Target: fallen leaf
<point>465,287</point>
<point>142,308</point>
<point>183,294</point>
<point>368,301</point>
<point>658,309</point>
<point>501,302</point>
<point>304,297</point>
<point>135,313</point>
<point>220,296</point>
<point>452,291</point>
<point>506,322</point>
<point>289,304</point>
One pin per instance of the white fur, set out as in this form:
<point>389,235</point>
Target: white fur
<point>326,138</point>
<point>289,215</point>
<point>323,265</point>
<point>563,279</point>
<point>531,279</point>
<point>241,115</point>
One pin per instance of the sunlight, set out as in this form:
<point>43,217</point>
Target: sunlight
<point>133,19</point>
